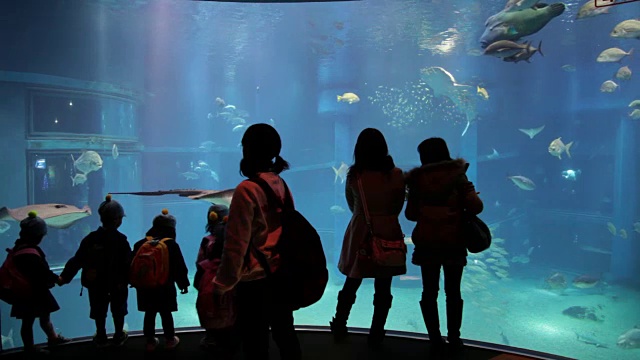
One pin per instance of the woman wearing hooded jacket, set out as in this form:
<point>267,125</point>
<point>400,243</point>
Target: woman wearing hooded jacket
<point>439,193</point>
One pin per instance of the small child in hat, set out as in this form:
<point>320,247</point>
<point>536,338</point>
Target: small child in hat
<point>162,299</point>
<point>35,268</point>
<point>104,257</point>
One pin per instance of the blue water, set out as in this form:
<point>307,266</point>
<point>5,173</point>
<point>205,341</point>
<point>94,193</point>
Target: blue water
<point>144,75</point>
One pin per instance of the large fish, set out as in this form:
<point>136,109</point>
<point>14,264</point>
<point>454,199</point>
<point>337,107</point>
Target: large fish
<point>59,216</point>
<point>87,162</point>
<point>218,197</point>
<point>513,25</point>
<point>523,182</point>
<point>442,83</point>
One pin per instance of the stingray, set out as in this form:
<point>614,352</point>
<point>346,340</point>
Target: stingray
<point>217,197</point>
<point>59,216</point>
<point>532,132</point>
<point>442,83</point>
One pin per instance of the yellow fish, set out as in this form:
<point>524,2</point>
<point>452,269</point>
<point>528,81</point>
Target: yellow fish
<point>483,93</point>
<point>557,147</point>
<point>348,98</point>
<point>612,228</point>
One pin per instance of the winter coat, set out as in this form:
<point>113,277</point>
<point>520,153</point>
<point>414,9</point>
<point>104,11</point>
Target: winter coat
<point>438,195</point>
<point>104,257</point>
<point>36,270</point>
<point>385,193</point>
<point>164,298</point>
<point>250,221</point>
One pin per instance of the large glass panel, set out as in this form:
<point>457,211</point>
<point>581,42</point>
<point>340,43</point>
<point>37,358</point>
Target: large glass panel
<point>547,120</point>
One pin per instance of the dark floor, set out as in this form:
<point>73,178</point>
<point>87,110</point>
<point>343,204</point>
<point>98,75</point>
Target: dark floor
<point>315,345</point>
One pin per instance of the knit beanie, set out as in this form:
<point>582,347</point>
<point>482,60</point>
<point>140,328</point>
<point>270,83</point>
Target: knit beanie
<point>216,214</point>
<point>164,219</point>
<point>32,227</point>
<point>110,209</point>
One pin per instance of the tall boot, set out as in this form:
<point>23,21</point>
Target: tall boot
<point>339,322</point>
<point>432,322</point>
<point>454,322</point>
<point>381,306</point>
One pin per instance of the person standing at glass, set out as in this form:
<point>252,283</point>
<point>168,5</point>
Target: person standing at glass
<point>384,189</point>
<point>439,193</point>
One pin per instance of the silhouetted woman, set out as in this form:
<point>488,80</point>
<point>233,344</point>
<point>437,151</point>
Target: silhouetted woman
<point>252,223</point>
<point>384,189</point>
<point>439,192</point>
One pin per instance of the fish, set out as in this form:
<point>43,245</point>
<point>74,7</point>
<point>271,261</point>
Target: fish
<point>513,25</point>
<point>217,197</point>
<point>348,97</point>
<point>627,29</point>
<point>189,175</point>
<point>557,147</point>
<point>586,339</point>
<point>207,145</point>
<point>532,132</point>
<point>337,209</point>
<point>635,114</point>
<point>585,282</point>
<point>568,68</point>
<point>522,182</point>
<point>114,151</point>
<point>7,341</point>
<point>238,128</point>
<point>220,102</point>
<point>59,216</point>
<point>571,174</point>
<point>494,154</point>
<point>524,55</point>
<point>613,54</point>
<point>630,339</point>
<point>230,107</point>
<point>341,172</point>
<point>634,103</point>
<point>589,9</point>
<point>636,227</point>
<point>483,93</point>
<point>78,179</point>
<point>4,227</point>
<point>517,5</point>
<point>506,48</point>
<point>624,73</point>
<point>609,86</point>
<point>87,162</point>
<point>595,250</point>
<point>612,228</point>
<point>623,234</point>
<point>442,83</point>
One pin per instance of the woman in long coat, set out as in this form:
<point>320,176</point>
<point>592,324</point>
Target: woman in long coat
<point>383,186</point>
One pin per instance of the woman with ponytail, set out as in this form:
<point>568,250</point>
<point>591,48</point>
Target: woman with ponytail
<point>253,230</point>
<point>382,184</point>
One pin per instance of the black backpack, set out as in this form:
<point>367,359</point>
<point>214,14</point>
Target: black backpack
<point>302,276</point>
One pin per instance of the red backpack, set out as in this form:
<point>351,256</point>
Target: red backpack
<point>150,265</point>
<point>13,285</point>
<point>214,311</point>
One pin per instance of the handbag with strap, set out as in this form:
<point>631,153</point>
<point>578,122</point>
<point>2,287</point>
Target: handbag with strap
<point>383,252</point>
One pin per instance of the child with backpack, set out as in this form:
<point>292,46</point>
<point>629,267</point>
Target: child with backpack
<point>216,313</point>
<point>104,257</point>
<point>157,267</point>
<point>32,275</point>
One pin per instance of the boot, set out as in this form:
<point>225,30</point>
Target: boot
<point>381,306</point>
<point>339,322</point>
<point>454,322</point>
<point>432,322</point>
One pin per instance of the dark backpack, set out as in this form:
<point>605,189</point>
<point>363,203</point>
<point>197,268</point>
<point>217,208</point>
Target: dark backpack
<point>14,286</point>
<point>302,276</point>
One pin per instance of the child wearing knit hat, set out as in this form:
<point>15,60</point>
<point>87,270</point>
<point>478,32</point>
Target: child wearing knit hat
<point>104,256</point>
<point>214,317</point>
<point>158,294</point>
<point>30,261</point>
